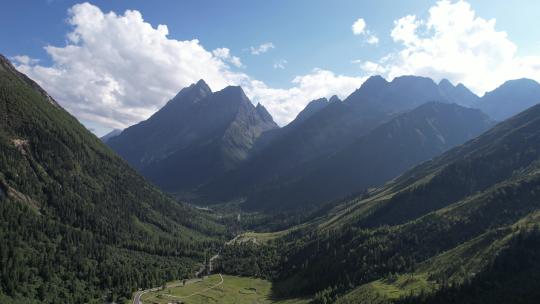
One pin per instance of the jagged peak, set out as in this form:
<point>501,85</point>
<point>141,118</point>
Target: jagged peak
<point>446,83</point>
<point>263,112</point>
<point>320,100</point>
<point>202,83</point>
<point>260,107</point>
<point>197,91</point>
<point>376,80</point>
<point>233,96</point>
<point>234,91</point>
<point>334,98</point>
<point>461,86</point>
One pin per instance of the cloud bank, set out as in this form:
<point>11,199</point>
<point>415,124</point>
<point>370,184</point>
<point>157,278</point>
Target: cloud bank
<point>454,43</point>
<point>117,70</point>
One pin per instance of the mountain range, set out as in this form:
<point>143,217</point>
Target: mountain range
<point>433,201</point>
<point>460,228</point>
<point>198,148</point>
<point>382,154</point>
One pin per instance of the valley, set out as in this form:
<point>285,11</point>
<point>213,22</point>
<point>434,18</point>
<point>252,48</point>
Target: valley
<point>406,191</point>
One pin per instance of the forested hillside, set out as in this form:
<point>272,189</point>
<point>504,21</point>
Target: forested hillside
<point>447,227</point>
<point>77,224</point>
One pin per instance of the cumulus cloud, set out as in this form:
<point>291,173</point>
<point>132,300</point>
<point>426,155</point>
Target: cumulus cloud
<point>372,39</point>
<point>454,43</point>
<point>359,28</point>
<point>225,54</point>
<point>288,102</point>
<point>26,60</point>
<point>263,48</point>
<point>117,69</point>
<point>280,64</point>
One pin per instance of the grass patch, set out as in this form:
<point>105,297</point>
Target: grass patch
<point>384,290</point>
<point>233,290</point>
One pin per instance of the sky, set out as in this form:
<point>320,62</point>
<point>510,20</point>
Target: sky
<point>114,63</point>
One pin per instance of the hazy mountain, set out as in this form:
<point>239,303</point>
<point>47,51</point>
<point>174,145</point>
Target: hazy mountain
<point>325,128</point>
<point>110,135</point>
<point>77,224</point>
<point>510,98</point>
<point>458,94</point>
<point>407,92</point>
<point>312,108</point>
<point>195,136</point>
<point>375,158</point>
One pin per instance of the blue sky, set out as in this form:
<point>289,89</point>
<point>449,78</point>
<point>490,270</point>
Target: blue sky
<point>305,35</point>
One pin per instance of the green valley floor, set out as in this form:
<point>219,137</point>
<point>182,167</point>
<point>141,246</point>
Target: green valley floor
<point>217,288</point>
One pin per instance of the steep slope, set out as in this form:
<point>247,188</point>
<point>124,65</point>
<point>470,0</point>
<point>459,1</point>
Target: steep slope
<point>316,134</point>
<point>465,204</point>
<point>312,108</point>
<point>375,158</point>
<point>510,98</point>
<point>77,224</point>
<point>502,152</point>
<point>197,135</point>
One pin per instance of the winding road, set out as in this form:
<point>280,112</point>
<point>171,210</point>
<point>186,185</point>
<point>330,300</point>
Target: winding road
<point>139,294</point>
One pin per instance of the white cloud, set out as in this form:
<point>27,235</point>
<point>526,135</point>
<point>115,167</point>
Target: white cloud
<point>286,103</point>
<point>24,60</point>
<point>372,39</point>
<point>263,48</point>
<point>454,43</point>
<point>117,70</point>
<point>225,54</point>
<point>359,28</point>
<point>280,64</point>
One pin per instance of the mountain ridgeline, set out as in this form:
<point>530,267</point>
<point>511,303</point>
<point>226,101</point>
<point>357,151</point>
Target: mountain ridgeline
<point>418,195</point>
<point>382,154</point>
<point>217,147</point>
<point>463,227</point>
<point>77,223</point>
<point>195,136</point>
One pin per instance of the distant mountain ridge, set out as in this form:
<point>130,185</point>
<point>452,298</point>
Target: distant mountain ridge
<point>113,133</point>
<point>325,128</point>
<point>449,230</point>
<point>200,149</point>
<point>510,98</point>
<point>380,155</point>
